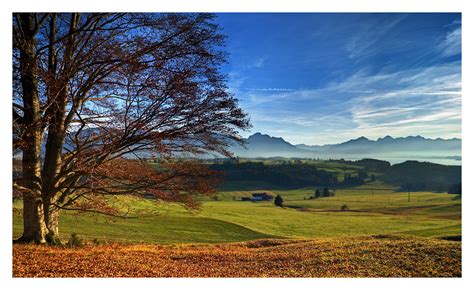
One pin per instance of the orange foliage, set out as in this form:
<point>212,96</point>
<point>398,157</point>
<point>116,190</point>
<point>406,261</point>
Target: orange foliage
<point>171,181</point>
<point>331,257</point>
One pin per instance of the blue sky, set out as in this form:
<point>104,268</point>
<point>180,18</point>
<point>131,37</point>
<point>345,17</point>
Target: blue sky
<point>327,78</point>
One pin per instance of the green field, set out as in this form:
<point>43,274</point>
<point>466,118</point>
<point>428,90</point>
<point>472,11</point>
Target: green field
<point>374,209</point>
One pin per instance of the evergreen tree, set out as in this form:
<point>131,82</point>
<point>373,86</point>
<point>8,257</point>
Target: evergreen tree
<point>326,192</point>
<point>279,201</point>
<point>317,194</point>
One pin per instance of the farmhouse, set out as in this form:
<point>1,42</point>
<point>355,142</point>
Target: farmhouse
<point>258,196</point>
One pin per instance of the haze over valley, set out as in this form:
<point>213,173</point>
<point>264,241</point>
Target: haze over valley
<point>394,150</point>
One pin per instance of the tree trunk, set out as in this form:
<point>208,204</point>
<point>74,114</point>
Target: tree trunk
<point>57,96</point>
<point>51,217</point>
<point>34,226</point>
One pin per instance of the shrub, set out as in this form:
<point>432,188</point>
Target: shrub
<point>344,207</point>
<point>326,192</point>
<point>53,240</point>
<point>279,201</point>
<point>317,194</point>
<point>75,241</point>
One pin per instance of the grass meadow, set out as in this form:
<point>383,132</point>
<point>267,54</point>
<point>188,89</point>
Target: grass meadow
<point>373,209</point>
<point>382,234</point>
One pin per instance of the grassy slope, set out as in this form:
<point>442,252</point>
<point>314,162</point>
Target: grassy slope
<point>385,212</point>
<point>296,223</point>
<point>163,229</point>
<point>376,208</point>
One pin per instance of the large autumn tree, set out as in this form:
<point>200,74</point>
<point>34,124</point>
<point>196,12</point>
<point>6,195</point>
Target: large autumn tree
<point>94,93</point>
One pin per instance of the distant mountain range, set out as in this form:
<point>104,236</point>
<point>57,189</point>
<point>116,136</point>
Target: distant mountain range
<point>411,147</point>
<point>394,150</point>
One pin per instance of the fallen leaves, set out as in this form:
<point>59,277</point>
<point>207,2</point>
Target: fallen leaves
<point>330,257</point>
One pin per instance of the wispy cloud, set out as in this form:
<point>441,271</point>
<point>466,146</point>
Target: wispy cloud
<point>270,89</point>
<point>258,63</point>
<point>418,101</point>
<point>451,45</point>
<point>331,77</point>
<point>364,42</point>
<point>422,102</point>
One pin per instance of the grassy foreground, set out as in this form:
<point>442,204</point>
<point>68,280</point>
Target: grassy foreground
<point>383,234</point>
<point>375,256</point>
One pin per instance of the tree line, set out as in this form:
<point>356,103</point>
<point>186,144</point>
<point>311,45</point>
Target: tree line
<point>409,175</point>
<point>285,174</point>
<point>420,176</point>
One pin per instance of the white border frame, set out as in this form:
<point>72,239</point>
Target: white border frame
<point>7,282</point>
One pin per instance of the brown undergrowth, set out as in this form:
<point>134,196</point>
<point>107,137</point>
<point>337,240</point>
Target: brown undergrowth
<point>377,256</point>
